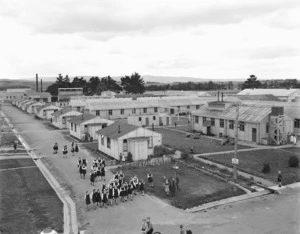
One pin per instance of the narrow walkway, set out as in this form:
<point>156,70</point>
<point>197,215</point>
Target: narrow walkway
<point>16,168</point>
<point>265,182</point>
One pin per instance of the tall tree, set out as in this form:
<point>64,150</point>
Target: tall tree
<point>91,85</point>
<point>251,83</point>
<point>133,84</point>
<point>111,84</point>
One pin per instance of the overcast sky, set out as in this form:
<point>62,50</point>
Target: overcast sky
<point>196,38</point>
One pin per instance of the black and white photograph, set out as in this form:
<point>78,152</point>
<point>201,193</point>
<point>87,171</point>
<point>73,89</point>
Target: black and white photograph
<point>149,117</point>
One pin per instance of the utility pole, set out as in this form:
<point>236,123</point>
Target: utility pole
<point>235,160</point>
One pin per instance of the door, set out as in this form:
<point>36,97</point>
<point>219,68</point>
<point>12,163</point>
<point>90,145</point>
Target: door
<point>160,121</point>
<point>253,134</point>
<point>147,121</point>
<point>208,130</point>
<point>167,120</point>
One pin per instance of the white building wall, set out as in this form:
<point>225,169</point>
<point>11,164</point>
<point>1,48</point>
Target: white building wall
<point>117,145</point>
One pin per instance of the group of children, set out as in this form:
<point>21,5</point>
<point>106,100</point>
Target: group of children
<point>116,188</point>
<point>74,149</point>
<point>97,171</point>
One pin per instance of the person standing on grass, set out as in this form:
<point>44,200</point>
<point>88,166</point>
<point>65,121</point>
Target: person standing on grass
<point>177,181</point>
<point>15,146</point>
<point>87,199</point>
<point>150,179</point>
<point>142,187</point>
<point>279,179</point>
<point>76,149</point>
<point>83,171</point>
<point>172,187</point>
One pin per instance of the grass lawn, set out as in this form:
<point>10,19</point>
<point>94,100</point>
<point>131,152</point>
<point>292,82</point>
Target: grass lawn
<point>196,188</point>
<point>252,162</point>
<point>28,203</point>
<point>8,139</point>
<point>295,150</point>
<point>178,140</point>
<point>14,163</point>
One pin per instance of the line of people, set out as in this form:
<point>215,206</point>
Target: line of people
<point>117,188</point>
<point>74,149</point>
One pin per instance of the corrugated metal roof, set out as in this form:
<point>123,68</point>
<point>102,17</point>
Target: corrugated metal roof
<point>275,92</point>
<point>292,112</point>
<point>79,119</point>
<point>250,114</point>
<point>145,103</point>
<point>46,106</point>
<point>264,97</point>
<point>112,131</point>
<point>62,112</point>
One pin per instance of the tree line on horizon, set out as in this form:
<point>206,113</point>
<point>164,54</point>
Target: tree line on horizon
<point>135,84</point>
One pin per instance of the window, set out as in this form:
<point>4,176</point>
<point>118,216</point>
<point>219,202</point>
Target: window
<point>145,110</point>
<point>75,127</point>
<point>297,123</point>
<point>155,109</point>
<point>97,112</point>
<point>78,108</point>
<point>108,142</point>
<point>154,117</point>
<point>212,121</point>
<point>125,145</point>
<point>110,112</point>
<point>197,107</point>
<point>122,111</point>
<point>196,119</point>
<point>133,111</point>
<point>188,107</point>
<point>242,126</point>
<point>102,140</point>
<point>140,119</point>
<point>267,128</point>
<point>231,124</point>
<point>150,142</point>
<point>71,126</point>
<point>203,120</point>
<point>222,123</point>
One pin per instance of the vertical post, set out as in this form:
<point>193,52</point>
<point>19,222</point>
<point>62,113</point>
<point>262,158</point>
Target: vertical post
<point>36,82</point>
<point>235,174</point>
<point>41,85</point>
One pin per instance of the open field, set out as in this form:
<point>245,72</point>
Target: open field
<point>196,188</point>
<point>178,140</point>
<point>8,139</point>
<point>252,162</point>
<point>28,203</point>
<point>15,163</point>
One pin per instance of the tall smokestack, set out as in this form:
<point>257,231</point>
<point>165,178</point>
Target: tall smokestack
<point>218,95</point>
<point>41,85</point>
<point>222,97</point>
<point>37,82</point>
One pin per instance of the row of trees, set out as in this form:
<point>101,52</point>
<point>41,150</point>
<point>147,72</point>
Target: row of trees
<point>134,84</point>
<point>95,86</point>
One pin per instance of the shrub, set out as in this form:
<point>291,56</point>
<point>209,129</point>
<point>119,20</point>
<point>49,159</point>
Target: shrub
<point>184,154</point>
<point>266,168</point>
<point>161,150</point>
<point>294,161</point>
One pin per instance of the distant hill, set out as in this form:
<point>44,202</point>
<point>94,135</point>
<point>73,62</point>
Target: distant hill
<point>24,83</point>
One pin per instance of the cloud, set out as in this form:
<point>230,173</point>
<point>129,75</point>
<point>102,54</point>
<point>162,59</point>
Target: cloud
<point>108,18</point>
<point>266,52</point>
